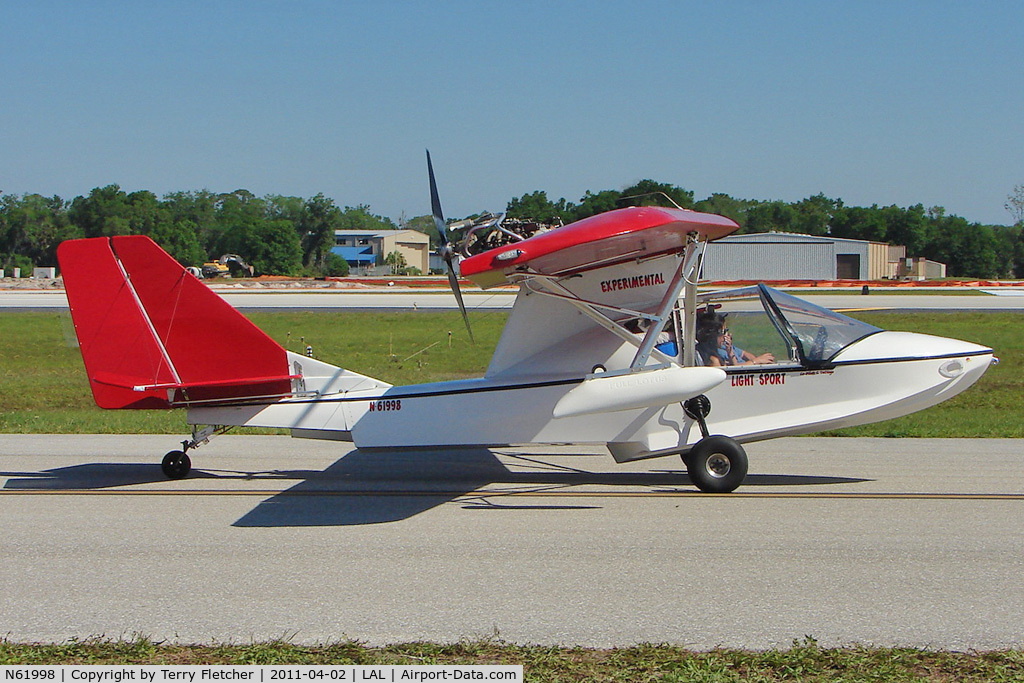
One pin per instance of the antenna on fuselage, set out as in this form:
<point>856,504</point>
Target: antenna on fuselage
<point>446,249</point>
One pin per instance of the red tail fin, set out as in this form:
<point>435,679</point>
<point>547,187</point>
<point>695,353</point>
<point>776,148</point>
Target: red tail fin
<point>153,336</point>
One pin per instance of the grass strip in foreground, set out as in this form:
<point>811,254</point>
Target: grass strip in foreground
<point>804,661</point>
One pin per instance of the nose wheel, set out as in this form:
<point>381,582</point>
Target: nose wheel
<point>176,465</point>
<point>716,463</point>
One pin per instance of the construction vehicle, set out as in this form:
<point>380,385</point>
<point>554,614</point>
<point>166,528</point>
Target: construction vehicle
<point>228,264</point>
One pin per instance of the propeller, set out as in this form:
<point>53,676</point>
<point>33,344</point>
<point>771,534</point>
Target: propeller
<point>446,247</point>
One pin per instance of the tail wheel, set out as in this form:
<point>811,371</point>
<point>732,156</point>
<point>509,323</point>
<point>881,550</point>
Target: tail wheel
<point>176,465</point>
<point>716,464</point>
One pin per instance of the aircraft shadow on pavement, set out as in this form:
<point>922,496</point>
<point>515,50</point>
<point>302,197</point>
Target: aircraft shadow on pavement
<point>88,477</point>
<point>387,486</point>
<point>373,487</point>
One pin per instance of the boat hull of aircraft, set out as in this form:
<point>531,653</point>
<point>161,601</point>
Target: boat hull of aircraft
<point>858,389</point>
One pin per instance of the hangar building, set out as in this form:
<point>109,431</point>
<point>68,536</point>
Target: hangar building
<point>792,256</point>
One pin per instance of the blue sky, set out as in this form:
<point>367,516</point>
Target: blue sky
<point>872,102</point>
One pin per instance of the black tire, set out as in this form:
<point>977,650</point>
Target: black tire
<point>176,465</point>
<point>716,464</point>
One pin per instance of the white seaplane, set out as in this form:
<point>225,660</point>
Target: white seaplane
<point>583,357</point>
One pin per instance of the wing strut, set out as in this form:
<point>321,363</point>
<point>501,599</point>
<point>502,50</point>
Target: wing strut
<point>668,302</point>
<point>685,275</point>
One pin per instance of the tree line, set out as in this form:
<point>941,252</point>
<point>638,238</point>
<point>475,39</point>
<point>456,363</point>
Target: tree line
<point>283,235</point>
<point>277,235</point>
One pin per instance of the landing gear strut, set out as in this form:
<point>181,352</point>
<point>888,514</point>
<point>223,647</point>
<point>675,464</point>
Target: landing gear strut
<point>177,464</point>
<point>716,463</point>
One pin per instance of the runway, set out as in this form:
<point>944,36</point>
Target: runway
<point>419,299</point>
<point>872,541</point>
<point>317,299</point>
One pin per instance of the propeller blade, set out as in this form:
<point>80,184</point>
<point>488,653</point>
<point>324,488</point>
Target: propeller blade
<point>446,248</point>
<point>435,206</point>
<point>453,280</point>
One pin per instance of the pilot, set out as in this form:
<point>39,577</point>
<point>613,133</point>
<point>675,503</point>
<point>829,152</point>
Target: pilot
<point>715,347</point>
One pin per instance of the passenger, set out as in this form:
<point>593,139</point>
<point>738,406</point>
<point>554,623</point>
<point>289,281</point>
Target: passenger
<point>666,342</point>
<point>715,347</point>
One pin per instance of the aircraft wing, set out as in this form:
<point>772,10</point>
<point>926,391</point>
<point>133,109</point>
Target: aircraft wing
<point>602,240</point>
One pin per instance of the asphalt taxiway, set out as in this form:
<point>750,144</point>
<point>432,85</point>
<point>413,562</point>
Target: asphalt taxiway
<point>874,541</point>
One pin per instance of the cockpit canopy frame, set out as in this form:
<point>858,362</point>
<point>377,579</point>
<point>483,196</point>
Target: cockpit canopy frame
<point>812,335</point>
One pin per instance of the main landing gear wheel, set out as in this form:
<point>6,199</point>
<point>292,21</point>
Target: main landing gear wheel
<point>716,464</point>
<point>176,465</point>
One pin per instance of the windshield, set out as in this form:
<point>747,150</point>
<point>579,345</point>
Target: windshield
<point>821,333</point>
<point>776,328</point>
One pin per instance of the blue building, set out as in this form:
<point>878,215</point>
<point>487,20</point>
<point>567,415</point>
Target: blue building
<point>366,248</point>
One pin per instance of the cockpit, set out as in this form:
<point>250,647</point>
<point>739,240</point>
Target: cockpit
<point>772,327</point>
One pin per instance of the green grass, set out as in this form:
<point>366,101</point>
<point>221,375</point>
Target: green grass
<point>805,661</point>
<point>402,347</point>
<point>43,388</point>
